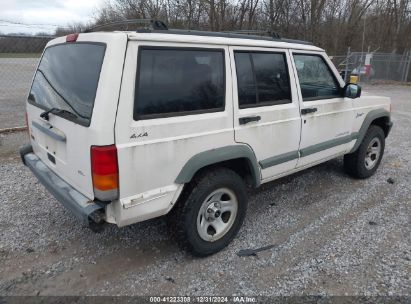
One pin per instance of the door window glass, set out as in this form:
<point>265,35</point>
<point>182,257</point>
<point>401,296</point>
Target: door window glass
<point>173,82</point>
<point>316,78</point>
<point>247,92</point>
<point>262,79</point>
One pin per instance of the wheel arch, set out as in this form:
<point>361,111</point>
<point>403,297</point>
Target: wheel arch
<point>379,117</point>
<point>384,122</point>
<point>239,158</point>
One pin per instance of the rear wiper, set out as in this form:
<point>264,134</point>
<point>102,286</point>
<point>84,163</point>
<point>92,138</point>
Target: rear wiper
<point>45,115</point>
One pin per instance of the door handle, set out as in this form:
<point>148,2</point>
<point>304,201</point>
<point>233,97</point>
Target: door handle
<point>247,119</point>
<point>308,110</point>
<point>50,131</point>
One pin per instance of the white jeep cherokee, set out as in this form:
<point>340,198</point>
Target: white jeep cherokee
<point>128,126</point>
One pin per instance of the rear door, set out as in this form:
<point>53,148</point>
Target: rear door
<point>327,116</point>
<point>266,108</point>
<point>81,79</point>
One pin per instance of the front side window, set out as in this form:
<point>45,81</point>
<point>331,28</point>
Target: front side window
<point>173,81</point>
<point>262,79</point>
<point>316,78</point>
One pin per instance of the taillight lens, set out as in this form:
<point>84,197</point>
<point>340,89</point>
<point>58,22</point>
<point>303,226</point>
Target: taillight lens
<point>72,37</point>
<point>104,168</point>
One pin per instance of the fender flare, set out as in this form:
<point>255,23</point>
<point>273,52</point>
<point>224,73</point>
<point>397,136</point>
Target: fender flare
<point>369,118</point>
<point>217,155</point>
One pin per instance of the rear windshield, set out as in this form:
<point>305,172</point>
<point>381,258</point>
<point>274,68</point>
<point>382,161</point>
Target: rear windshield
<point>67,79</point>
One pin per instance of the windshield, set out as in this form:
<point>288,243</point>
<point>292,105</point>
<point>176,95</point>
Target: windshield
<point>67,79</point>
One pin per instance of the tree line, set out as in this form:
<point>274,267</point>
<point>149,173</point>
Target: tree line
<point>383,25</point>
<point>330,24</point>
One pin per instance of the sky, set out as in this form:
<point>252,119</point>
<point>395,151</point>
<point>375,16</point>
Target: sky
<point>43,15</point>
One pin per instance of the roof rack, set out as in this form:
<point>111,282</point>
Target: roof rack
<point>158,26</point>
<point>224,35</point>
<point>151,24</point>
<point>272,34</point>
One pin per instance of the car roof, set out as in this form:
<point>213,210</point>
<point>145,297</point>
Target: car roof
<point>199,37</point>
<point>219,38</point>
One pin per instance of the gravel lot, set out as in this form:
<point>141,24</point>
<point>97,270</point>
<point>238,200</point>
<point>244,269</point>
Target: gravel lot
<point>331,235</point>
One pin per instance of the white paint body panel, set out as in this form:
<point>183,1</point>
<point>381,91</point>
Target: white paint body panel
<point>278,131</point>
<point>332,120</point>
<point>149,165</point>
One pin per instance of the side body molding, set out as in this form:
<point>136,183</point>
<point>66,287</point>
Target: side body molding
<point>371,116</point>
<point>214,156</point>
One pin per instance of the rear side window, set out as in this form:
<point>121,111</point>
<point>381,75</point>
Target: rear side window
<point>316,78</point>
<point>67,79</point>
<point>262,79</point>
<point>178,81</point>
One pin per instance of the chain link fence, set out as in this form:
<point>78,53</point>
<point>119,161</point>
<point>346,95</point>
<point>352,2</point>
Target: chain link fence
<point>19,56</point>
<point>375,66</point>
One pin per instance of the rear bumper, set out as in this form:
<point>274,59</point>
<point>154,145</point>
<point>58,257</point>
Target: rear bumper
<point>88,211</point>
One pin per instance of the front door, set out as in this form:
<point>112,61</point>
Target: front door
<point>266,108</point>
<point>326,115</point>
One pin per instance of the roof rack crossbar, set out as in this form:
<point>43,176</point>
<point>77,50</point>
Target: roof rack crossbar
<point>153,24</point>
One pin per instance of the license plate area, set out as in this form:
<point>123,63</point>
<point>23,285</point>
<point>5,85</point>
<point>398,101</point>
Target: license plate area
<point>51,158</point>
<point>51,146</point>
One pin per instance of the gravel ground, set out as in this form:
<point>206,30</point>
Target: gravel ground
<point>331,235</point>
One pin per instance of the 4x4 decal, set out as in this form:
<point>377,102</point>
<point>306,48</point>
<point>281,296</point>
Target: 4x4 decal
<point>134,136</point>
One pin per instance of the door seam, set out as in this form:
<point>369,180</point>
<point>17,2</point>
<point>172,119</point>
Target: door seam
<point>299,99</point>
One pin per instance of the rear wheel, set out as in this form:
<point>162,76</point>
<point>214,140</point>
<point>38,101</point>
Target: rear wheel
<point>211,211</point>
<point>364,162</point>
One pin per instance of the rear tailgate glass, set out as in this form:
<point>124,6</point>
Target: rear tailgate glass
<point>67,79</point>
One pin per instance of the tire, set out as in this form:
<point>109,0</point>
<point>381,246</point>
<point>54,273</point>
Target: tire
<point>224,193</point>
<point>365,161</point>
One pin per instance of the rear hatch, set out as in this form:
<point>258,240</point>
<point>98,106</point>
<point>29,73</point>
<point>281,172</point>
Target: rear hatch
<point>72,103</point>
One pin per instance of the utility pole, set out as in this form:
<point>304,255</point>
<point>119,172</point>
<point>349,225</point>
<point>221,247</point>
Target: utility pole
<point>407,66</point>
<point>363,38</point>
<point>346,65</point>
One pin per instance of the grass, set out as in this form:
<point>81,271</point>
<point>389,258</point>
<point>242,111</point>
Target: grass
<point>20,55</point>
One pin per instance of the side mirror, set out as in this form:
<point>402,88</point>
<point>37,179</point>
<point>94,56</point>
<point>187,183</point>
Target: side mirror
<point>352,90</point>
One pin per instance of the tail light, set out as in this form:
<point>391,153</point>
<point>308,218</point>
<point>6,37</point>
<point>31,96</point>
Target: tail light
<point>104,168</point>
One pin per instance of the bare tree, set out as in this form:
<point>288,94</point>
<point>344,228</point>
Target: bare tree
<point>331,24</point>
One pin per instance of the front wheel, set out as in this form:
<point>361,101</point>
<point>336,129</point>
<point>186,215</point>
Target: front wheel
<point>364,162</point>
<point>211,211</point>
